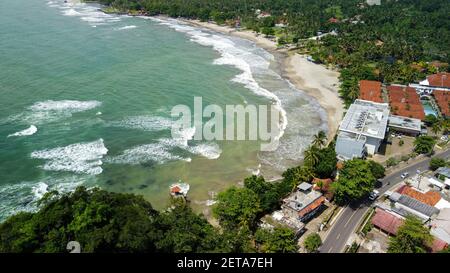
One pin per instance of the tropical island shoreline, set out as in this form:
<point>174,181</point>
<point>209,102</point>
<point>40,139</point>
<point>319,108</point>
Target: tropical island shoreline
<point>315,80</point>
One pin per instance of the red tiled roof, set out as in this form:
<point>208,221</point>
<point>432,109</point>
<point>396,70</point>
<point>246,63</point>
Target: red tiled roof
<point>326,187</point>
<point>175,189</point>
<point>386,221</point>
<point>443,100</point>
<point>405,102</point>
<point>325,184</point>
<point>314,205</point>
<point>370,90</point>
<point>438,245</point>
<point>430,198</point>
<point>439,79</point>
<point>333,20</point>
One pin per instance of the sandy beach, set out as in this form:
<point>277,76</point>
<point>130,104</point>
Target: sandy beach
<point>315,80</point>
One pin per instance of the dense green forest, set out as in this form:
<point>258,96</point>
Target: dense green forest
<point>393,42</point>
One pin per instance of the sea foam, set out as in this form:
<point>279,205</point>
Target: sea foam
<point>50,110</point>
<point>233,55</point>
<point>27,132</point>
<point>78,158</point>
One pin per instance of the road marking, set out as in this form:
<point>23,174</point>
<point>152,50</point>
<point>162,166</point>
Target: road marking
<point>329,251</point>
<point>350,218</point>
<point>337,237</point>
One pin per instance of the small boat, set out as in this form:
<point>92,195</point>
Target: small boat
<point>179,189</point>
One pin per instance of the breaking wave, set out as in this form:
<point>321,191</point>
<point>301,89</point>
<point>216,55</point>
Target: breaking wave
<point>27,132</point>
<point>78,158</point>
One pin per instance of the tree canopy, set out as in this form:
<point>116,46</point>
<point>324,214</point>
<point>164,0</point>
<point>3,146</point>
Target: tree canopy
<point>107,222</point>
<point>355,181</point>
<point>412,237</point>
<point>237,207</point>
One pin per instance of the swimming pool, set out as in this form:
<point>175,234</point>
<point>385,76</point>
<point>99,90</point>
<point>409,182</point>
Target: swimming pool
<point>428,108</point>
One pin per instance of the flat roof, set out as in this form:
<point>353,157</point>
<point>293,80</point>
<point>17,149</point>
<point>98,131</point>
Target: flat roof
<point>445,171</point>
<point>366,118</point>
<point>300,200</point>
<point>304,186</point>
<point>405,123</point>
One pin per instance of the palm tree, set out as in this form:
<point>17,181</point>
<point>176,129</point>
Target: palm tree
<point>436,128</point>
<point>319,139</point>
<point>311,155</point>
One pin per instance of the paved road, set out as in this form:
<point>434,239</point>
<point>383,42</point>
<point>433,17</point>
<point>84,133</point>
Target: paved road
<point>350,218</point>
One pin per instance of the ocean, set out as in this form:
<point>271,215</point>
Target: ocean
<point>86,99</point>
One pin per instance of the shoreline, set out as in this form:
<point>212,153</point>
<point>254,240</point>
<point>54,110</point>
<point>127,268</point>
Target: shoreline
<point>315,80</point>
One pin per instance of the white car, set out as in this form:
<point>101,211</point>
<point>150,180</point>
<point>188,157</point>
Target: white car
<point>374,195</point>
<point>404,175</point>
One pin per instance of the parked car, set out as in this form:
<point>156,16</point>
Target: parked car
<point>404,175</point>
<point>374,195</point>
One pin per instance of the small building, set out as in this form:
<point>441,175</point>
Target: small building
<point>387,221</point>
<point>430,197</point>
<point>370,90</point>
<point>440,227</point>
<point>404,125</point>
<point>406,205</point>
<point>443,173</point>
<point>362,129</point>
<point>303,204</point>
<point>179,189</point>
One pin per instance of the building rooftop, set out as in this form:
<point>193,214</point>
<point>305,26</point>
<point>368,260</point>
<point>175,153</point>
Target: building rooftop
<point>430,198</point>
<point>445,171</point>
<point>417,205</point>
<point>438,80</point>
<point>387,221</point>
<point>443,98</point>
<point>304,186</point>
<point>405,123</point>
<point>370,90</point>
<point>366,118</point>
<point>405,102</point>
<point>299,200</point>
<point>440,227</point>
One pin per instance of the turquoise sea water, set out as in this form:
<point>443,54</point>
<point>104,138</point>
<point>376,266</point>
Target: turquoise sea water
<point>86,100</point>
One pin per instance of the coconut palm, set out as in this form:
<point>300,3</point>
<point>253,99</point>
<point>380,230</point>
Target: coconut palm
<point>436,128</point>
<point>320,139</point>
<point>311,155</point>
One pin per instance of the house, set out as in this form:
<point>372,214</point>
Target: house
<point>388,222</point>
<point>405,205</point>
<point>370,90</point>
<point>303,204</point>
<point>362,129</point>
<point>440,226</point>
<point>430,198</point>
<point>437,80</point>
<point>404,125</point>
<point>405,102</point>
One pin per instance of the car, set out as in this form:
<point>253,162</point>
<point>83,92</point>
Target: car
<point>374,195</point>
<point>404,175</point>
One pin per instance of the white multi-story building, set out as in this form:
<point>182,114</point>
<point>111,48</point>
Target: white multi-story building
<point>362,129</point>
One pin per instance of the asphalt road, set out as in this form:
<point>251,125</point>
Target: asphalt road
<point>350,218</point>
